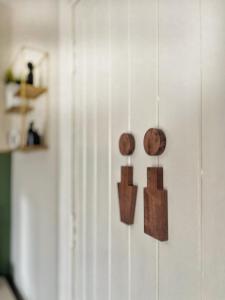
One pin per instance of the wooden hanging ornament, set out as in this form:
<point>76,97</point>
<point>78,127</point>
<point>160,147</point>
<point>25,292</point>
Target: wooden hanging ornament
<point>127,195</point>
<point>126,190</point>
<point>126,144</point>
<point>154,141</point>
<point>155,205</point>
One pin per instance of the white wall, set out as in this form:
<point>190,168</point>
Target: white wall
<point>34,175</point>
<point>140,64</point>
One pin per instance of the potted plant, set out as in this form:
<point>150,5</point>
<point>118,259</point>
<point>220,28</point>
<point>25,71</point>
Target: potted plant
<point>11,87</point>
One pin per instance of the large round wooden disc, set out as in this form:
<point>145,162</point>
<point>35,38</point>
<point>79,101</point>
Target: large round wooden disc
<point>126,144</point>
<point>154,141</point>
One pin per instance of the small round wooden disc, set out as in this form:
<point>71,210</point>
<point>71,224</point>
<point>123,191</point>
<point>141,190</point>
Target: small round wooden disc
<point>154,141</point>
<point>126,144</point>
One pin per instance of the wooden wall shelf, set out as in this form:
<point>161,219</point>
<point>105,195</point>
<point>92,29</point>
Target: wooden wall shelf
<point>5,151</point>
<point>33,148</point>
<point>25,149</point>
<point>19,110</point>
<point>20,98</point>
<point>30,91</point>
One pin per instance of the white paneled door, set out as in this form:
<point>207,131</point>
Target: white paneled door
<point>140,64</point>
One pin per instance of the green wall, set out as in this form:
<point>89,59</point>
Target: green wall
<point>5,169</point>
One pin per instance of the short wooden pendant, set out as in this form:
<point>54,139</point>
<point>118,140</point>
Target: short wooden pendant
<point>127,195</point>
<point>154,141</point>
<point>155,205</point>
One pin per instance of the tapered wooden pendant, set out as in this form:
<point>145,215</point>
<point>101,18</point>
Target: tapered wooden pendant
<point>155,205</point>
<point>127,195</point>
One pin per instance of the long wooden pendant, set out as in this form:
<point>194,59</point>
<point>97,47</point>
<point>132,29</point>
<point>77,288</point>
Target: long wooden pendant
<point>155,205</point>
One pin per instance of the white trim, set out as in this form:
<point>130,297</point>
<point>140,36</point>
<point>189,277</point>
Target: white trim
<point>65,152</point>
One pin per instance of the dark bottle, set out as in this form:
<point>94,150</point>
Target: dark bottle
<point>37,138</point>
<point>30,76</point>
<point>31,135</point>
<point>33,138</point>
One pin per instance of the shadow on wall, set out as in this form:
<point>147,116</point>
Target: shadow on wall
<point>5,48</point>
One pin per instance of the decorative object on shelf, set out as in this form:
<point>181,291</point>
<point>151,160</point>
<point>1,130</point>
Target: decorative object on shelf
<point>126,190</point>
<point>126,144</point>
<point>10,77</point>
<point>14,139</point>
<point>22,87</point>
<point>11,101</point>
<point>154,141</point>
<point>30,76</point>
<point>33,138</point>
<point>127,195</point>
<point>155,205</point>
<point>11,86</point>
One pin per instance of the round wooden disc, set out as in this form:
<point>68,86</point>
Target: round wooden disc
<point>126,144</point>
<point>154,141</point>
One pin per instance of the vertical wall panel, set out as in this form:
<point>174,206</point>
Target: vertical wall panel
<point>119,77</point>
<point>91,145</point>
<point>140,64</point>
<point>84,141</point>
<point>213,28</point>
<point>102,77</point>
<point>79,40</point>
<point>179,116</point>
<point>142,25</point>
<point>77,71</point>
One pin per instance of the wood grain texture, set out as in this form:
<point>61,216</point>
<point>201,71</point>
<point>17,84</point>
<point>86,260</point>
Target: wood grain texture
<point>126,144</point>
<point>154,141</point>
<point>127,195</point>
<point>155,205</point>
